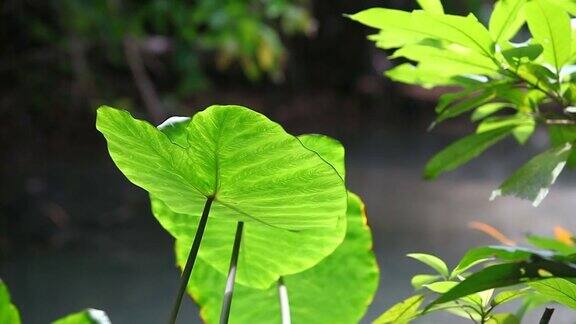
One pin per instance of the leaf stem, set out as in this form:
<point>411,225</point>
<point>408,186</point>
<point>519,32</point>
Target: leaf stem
<point>284,302</point>
<point>229,290</point>
<point>546,316</point>
<point>191,259</point>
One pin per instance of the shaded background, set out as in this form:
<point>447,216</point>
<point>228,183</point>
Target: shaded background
<point>74,233</point>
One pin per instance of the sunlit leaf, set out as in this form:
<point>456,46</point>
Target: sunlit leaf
<point>550,27</point>
<point>550,244</point>
<point>506,19</point>
<point>508,296</point>
<point>484,253</point>
<point>432,6</point>
<point>268,252</point>
<point>255,171</point>
<point>418,281</point>
<point>488,109</point>
<point>402,312</point>
<point>441,286</point>
<point>88,316</point>
<point>463,151</point>
<point>338,289</point>
<point>432,261</point>
<point>557,289</point>
<point>533,180</point>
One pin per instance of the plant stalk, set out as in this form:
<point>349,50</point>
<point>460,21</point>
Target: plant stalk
<point>545,319</point>
<point>229,290</point>
<point>284,302</point>
<point>191,259</point>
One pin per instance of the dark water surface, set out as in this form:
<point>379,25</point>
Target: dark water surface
<point>107,251</point>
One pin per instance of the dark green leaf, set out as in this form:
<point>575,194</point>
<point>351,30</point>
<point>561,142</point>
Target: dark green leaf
<point>463,151</point>
<point>533,180</point>
<point>504,275</point>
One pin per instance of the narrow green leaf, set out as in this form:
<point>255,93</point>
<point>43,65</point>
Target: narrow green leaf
<point>349,277</point>
<point>441,286</point>
<point>521,53</point>
<point>506,19</point>
<point>538,75</point>
<point>8,312</point>
<point>488,109</point>
<point>508,296</point>
<point>432,261</point>
<point>492,123</point>
<point>432,6</point>
<point>466,105</point>
<point>557,289</point>
<point>456,60</point>
<point>466,31</point>
<point>402,312</point>
<point>463,151</point>
<point>418,281</point>
<point>485,253</point>
<point>255,171</point>
<point>503,275</point>
<point>425,76</point>
<point>550,27</point>
<point>533,180</point>
<point>88,316</point>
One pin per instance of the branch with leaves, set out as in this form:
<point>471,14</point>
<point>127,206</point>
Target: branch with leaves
<point>509,87</point>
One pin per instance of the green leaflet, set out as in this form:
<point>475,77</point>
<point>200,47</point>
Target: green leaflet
<point>432,261</point>
<point>533,180</point>
<point>337,290</point>
<point>463,151</point>
<point>465,31</point>
<point>506,19</point>
<point>254,169</point>
<point>425,76</point>
<point>432,6</point>
<point>505,318</point>
<point>557,289</point>
<point>402,312</point>
<point>550,27</point>
<point>8,312</point>
<point>88,316</point>
<point>267,252</point>
<point>454,60</point>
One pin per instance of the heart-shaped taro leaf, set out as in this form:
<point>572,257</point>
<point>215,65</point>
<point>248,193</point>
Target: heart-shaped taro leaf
<point>337,290</point>
<point>266,252</point>
<point>255,171</point>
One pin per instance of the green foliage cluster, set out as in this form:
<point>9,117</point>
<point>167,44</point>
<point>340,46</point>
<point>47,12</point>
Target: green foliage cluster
<point>535,275</point>
<point>511,75</point>
<point>170,45</point>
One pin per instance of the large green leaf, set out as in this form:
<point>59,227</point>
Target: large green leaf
<point>506,274</point>
<point>463,151</point>
<point>550,27</point>
<point>562,134</point>
<point>337,290</point>
<point>558,289</point>
<point>484,253</point>
<point>506,19</point>
<point>267,252</point>
<point>8,312</point>
<point>88,316</point>
<point>255,171</point>
<point>533,180</point>
<point>402,312</point>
